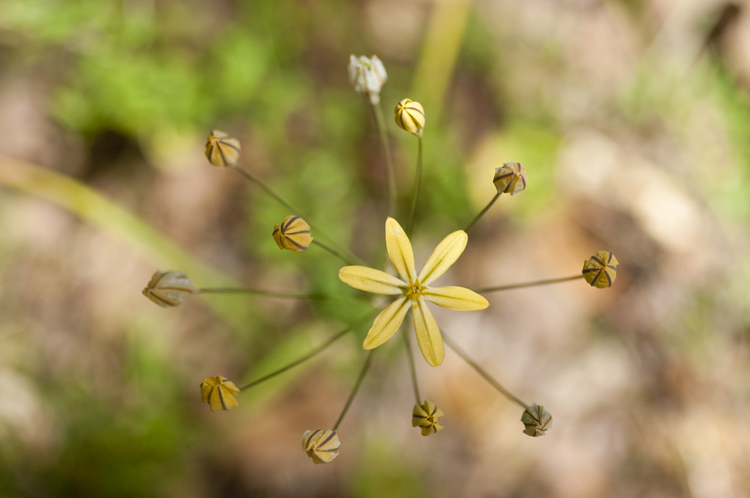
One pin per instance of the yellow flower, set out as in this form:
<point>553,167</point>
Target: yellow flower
<point>600,270</point>
<point>219,393</point>
<point>414,290</point>
<point>426,416</point>
<point>410,116</point>
<point>293,234</point>
<point>321,445</point>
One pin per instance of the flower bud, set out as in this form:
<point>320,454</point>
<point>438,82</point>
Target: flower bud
<point>321,445</point>
<point>536,420</point>
<point>293,234</point>
<point>410,116</point>
<point>510,178</point>
<point>219,393</point>
<point>221,150</point>
<point>169,288</point>
<point>426,416</point>
<point>600,270</point>
<point>367,76</point>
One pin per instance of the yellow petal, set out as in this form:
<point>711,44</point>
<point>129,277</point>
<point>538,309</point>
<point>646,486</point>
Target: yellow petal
<point>435,428</point>
<point>370,280</point>
<point>399,250</point>
<point>428,334</point>
<point>294,234</point>
<point>222,150</point>
<point>444,255</point>
<point>229,385</point>
<point>433,410</point>
<point>206,387</point>
<point>221,399</point>
<point>277,236</point>
<point>455,298</point>
<point>321,445</point>
<point>387,323</point>
<point>419,415</point>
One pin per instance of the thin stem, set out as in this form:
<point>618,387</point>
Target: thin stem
<point>483,373</point>
<point>291,208</point>
<point>270,192</point>
<point>528,284</point>
<point>377,112</point>
<point>411,365</point>
<point>481,213</point>
<point>417,189</point>
<point>309,355</point>
<point>256,292</point>
<point>356,388</point>
<point>332,251</point>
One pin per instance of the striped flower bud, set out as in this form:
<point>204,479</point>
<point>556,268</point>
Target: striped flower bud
<point>221,150</point>
<point>537,420</point>
<point>367,76</point>
<point>426,416</point>
<point>169,288</point>
<point>600,270</point>
<point>321,445</point>
<point>510,178</point>
<point>410,116</point>
<point>293,234</point>
<point>219,393</point>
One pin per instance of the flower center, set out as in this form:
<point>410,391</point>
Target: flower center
<point>415,290</point>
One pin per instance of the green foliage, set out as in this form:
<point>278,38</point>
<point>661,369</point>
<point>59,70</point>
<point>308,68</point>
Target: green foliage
<point>383,474</point>
<point>735,105</point>
<point>112,444</point>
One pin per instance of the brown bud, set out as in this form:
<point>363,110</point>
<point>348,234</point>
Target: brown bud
<point>321,445</point>
<point>293,234</point>
<point>536,420</point>
<point>221,150</point>
<point>510,178</point>
<point>426,417</point>
<point>219,392</point>
<point>169,288</point>
<point>600,270</point>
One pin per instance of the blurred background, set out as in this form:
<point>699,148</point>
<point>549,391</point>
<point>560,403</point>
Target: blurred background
<point>631,117</point>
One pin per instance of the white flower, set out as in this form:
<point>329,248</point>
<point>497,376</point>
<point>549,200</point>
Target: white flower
<point>367,76</point>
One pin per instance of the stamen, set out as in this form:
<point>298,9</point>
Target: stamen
<point>415,290</point>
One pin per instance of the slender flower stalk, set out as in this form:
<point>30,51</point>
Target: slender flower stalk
<point>258,292</point>
<point>484,373</point>
<point>308,356</point>
<point>510,178</point>
<point>528,284</point>
<point>481,213</point>
<point>417,189</point>
<point>412,370</point>
<point>362,373</point>
<point>349,258</point>
<point>331,250</point>
<point>377,112</point>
